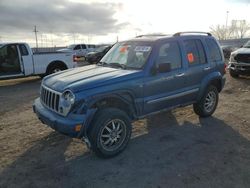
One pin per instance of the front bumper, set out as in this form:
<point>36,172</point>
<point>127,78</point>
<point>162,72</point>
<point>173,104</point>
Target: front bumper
<point>240,68</point>
<point>65,125</point>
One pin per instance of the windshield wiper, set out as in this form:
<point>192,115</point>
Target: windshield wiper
<point>112,64</point>
<point>118,65</point>
<point>102,63</point>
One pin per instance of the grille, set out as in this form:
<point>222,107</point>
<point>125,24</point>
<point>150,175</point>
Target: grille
<point>50,98</point>
<point>245,58</point>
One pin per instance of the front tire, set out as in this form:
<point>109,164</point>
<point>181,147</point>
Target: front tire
<point>208,103</point>
<point>233,74</point>
<point>110,132</point>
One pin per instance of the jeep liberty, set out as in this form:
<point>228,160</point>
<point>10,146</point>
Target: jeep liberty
<point>137,77</point>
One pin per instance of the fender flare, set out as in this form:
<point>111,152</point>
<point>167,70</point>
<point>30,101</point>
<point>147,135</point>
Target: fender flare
<point>215,76</point>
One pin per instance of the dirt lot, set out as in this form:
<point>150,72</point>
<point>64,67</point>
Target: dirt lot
<point>174,149</point>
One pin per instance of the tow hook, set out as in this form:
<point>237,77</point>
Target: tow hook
<point>86,140</point>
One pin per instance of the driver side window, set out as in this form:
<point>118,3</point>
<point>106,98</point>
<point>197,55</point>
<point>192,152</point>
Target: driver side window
<point>78,47</point>
<point>169,52</point>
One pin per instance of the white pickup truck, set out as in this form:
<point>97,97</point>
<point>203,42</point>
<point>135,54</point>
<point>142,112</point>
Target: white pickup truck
<point>18,60</point>
<point>79,49</point>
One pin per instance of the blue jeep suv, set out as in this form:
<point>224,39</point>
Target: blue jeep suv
<point>138,77</point>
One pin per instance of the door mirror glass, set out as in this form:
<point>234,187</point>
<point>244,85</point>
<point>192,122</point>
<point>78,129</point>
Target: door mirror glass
<point>164,67</point>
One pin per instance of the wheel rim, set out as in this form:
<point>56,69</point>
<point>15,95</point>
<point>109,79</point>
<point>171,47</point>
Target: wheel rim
<point>210,101</point>
<point>113,134</point>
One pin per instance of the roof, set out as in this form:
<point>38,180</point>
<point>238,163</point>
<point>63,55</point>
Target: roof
<point>155,37</point>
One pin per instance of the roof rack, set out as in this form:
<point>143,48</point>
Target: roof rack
<point>191,32</point>
<point>152,35</point>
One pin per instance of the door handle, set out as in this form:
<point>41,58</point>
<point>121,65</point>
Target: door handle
<point>207,68</point>
<point>180,75</point>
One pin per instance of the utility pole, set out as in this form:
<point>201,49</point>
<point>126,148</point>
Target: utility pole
<point>227,18</point>
<point>41,40</point>
<point>51,37</point>
<point>35,31</point>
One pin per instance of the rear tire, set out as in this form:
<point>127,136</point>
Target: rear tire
<point>208,103</point>
<point>233,74</point>
<point>110,132</point>
<point>55,68</point>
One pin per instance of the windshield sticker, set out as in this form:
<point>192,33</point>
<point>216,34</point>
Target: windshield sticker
<point>142,48</point>
<point>123,49</point>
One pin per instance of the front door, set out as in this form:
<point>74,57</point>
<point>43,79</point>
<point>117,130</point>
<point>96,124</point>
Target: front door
<point>165,90</point>
<point>10,61</point>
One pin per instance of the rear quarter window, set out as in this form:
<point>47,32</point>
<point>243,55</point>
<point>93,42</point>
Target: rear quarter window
<point>214,53</point>
<point>23,50</point>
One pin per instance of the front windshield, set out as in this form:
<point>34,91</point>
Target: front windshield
<point>71,46</point>
<point>131,54</point>
<point>247,45</point>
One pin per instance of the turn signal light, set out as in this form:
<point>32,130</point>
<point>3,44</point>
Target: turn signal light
<point>78,128</point>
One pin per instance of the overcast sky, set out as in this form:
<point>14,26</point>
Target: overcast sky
<point>63,22</point>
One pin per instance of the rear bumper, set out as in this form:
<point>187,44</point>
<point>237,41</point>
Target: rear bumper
<point>223,81</point>
<point>240,68</point>
<point>65,125</point>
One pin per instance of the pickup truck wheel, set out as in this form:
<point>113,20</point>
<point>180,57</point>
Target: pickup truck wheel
<point>233,74</point>
<point>208,103</point>
<point>110,132</point>
<point>55,68</point>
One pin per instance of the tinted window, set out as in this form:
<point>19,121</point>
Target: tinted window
<point>170,53</point>
<point>91,46</point>
<point>83,46</point>
<point>78,47</point>
<point>214,50</point>
<point>195,52</point>
<point>23,50</point>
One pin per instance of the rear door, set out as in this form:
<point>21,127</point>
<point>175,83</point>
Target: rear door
<point>84,50</point>
<point>164,90</point>
<point>197,65</point>
<point>214,55</point>
<point>26,60</point>
<point>78,49</point>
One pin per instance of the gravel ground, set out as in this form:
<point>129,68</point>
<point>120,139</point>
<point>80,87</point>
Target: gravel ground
<point>173,149</point>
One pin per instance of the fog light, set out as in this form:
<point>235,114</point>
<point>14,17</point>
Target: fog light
<point>78,128</point>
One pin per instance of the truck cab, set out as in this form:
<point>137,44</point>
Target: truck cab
<point>18,60</point>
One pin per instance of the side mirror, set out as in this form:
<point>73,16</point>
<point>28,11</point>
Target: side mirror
<point>164,67</point>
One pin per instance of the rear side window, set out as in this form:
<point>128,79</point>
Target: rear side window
<point>83,46</point>
<point>195,52</point>
<point>170,53</point>
<point>23,50</point>
<point>214,50</point>
<point>78,47</point>
<point>91,46</point>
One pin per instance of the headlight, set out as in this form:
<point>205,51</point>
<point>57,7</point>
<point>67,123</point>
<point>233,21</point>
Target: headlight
<point>68,96</point>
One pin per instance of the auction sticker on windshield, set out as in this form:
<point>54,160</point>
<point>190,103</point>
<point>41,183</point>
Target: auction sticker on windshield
<point>142,48</point>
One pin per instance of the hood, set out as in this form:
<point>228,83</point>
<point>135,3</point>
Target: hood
<point>241,51</point>
<point>88,77</point>
<point>65,50</point>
